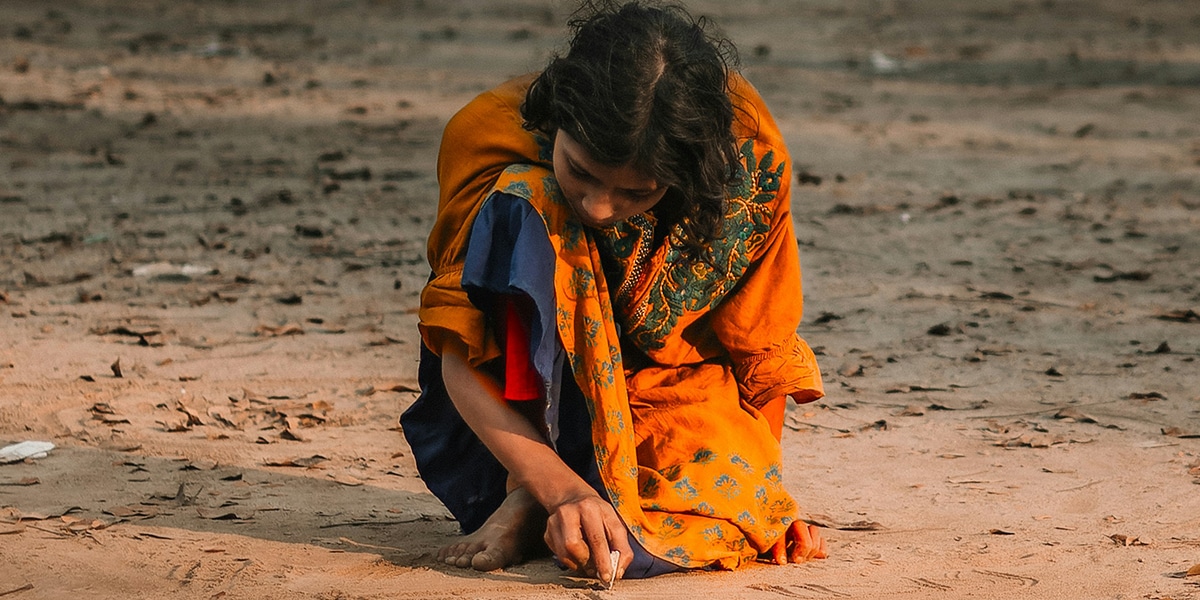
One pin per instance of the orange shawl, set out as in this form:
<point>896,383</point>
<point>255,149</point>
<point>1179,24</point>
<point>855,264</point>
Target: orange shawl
<point>688,462</point>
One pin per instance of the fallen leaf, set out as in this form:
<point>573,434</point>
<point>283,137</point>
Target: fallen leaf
<point>306,462</point>
<point>1194,571</point>
<point>1178,433</point>
<point>1146,396</point>
<point>225,514</point>
<point>174,425</point>
<point>880,425</point>
<point>154,536</point>
<point>132,511</point>
<point>23,482</point>
<point>1000,532</point>
<point>821,520</point>
<point>280,330</point>
<point>290,299</point>
<point>116,368</point>
<point>850,369</point>
<point>1033,440</point>
<point>1112,276</point>
<point>193,417</point>
<point>1127,540</point>
<point>1182,316</point>
<point>1074,414</point>
<point>287,434</point>
<point>347,480</point>
<point>962,405</point>
<point>941,329</point>
<point>51,513</point>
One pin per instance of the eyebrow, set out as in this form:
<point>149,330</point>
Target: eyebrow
<point>575,166</point>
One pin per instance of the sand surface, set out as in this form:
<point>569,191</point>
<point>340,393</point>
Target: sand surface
<point>212,227</point>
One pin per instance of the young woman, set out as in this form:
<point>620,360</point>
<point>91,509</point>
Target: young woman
<point>609,328</point>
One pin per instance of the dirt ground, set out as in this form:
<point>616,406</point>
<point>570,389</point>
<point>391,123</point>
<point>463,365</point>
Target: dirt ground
<point>212,227</point>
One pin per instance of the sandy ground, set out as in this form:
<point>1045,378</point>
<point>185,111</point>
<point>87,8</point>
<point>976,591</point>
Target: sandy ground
<point>212,223</point>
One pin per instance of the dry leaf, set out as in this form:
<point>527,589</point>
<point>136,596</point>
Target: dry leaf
<point>828,522</point>
<point>1178,433</point>
<point>1194,571</point>
<point>1127,540</point>
<point>285,329</point>
<point>116,368</point>
<point>23,482</point>
<point>347,480</point>
<point>175,425</point>
<point>1182,316</point>
<point>1073,414</point>
<point>1000,532</point>
<point>399,387</point>
<point>307,462</point>
<point>287,434</point>
<point>193,417</point>
<point>1147,396</point>
<point>850,370</point>
<point>225,514</point>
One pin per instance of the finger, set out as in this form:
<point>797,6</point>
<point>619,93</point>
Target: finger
<point>557,539</point>
<point>595,532</point>
<point>816,543</point>
<point>803,542</point>
<point>620,542</point>
<point>779,551</point>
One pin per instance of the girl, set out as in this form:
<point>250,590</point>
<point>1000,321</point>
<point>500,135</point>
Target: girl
<point>609,329</point>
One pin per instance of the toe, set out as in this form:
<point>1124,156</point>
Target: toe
<point>490,559</point>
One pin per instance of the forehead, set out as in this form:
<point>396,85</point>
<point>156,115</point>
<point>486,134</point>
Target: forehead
<point>625,176</point>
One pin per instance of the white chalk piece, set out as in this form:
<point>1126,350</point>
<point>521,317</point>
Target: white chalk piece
<point>23,450</point>
<point>614,558</point>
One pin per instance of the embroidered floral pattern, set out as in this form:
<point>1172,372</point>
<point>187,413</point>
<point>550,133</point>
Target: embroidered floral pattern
<point>679,286</point>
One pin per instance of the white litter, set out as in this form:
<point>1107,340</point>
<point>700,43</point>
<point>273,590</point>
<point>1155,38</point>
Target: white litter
<point>162,269</point>
<point>23,450</point>
<point>884,64</point>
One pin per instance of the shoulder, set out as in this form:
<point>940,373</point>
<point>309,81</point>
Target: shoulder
<point>500,105</point>
<point>752,120</point>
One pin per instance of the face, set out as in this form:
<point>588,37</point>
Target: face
<point>601,194</point>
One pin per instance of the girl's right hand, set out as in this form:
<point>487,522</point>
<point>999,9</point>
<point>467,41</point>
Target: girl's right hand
<point>582,530</point>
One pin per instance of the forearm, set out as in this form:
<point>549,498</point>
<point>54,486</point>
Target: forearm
<point>511,438</point>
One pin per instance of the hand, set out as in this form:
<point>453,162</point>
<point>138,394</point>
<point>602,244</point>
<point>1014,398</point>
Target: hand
<point>802,542</point>
<point>582,530</point>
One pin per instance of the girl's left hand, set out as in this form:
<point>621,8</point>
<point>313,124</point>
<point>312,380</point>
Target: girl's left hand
<point>801,543</point>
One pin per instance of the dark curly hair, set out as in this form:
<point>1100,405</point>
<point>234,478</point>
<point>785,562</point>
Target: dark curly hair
<point>647,85</point>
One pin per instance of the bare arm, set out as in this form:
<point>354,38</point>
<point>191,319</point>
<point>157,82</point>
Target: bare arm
<point>581,525</point>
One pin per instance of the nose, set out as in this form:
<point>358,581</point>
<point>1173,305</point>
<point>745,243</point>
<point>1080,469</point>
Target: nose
<point>599,206</point>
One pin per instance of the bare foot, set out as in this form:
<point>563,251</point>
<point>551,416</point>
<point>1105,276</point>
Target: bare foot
<point>513,530</point>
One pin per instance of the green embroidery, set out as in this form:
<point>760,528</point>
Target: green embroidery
<point>687,285</point>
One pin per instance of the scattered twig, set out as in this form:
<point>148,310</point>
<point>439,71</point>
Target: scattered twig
<point>365,523</point>
<point>795,426</point>
<point>1080,487</point>
<point>24,588</point>
<point>1040,411</point>
<point>346,540</point>
<point>39,528</point>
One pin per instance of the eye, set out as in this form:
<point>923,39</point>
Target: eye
<point>578,173</point>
